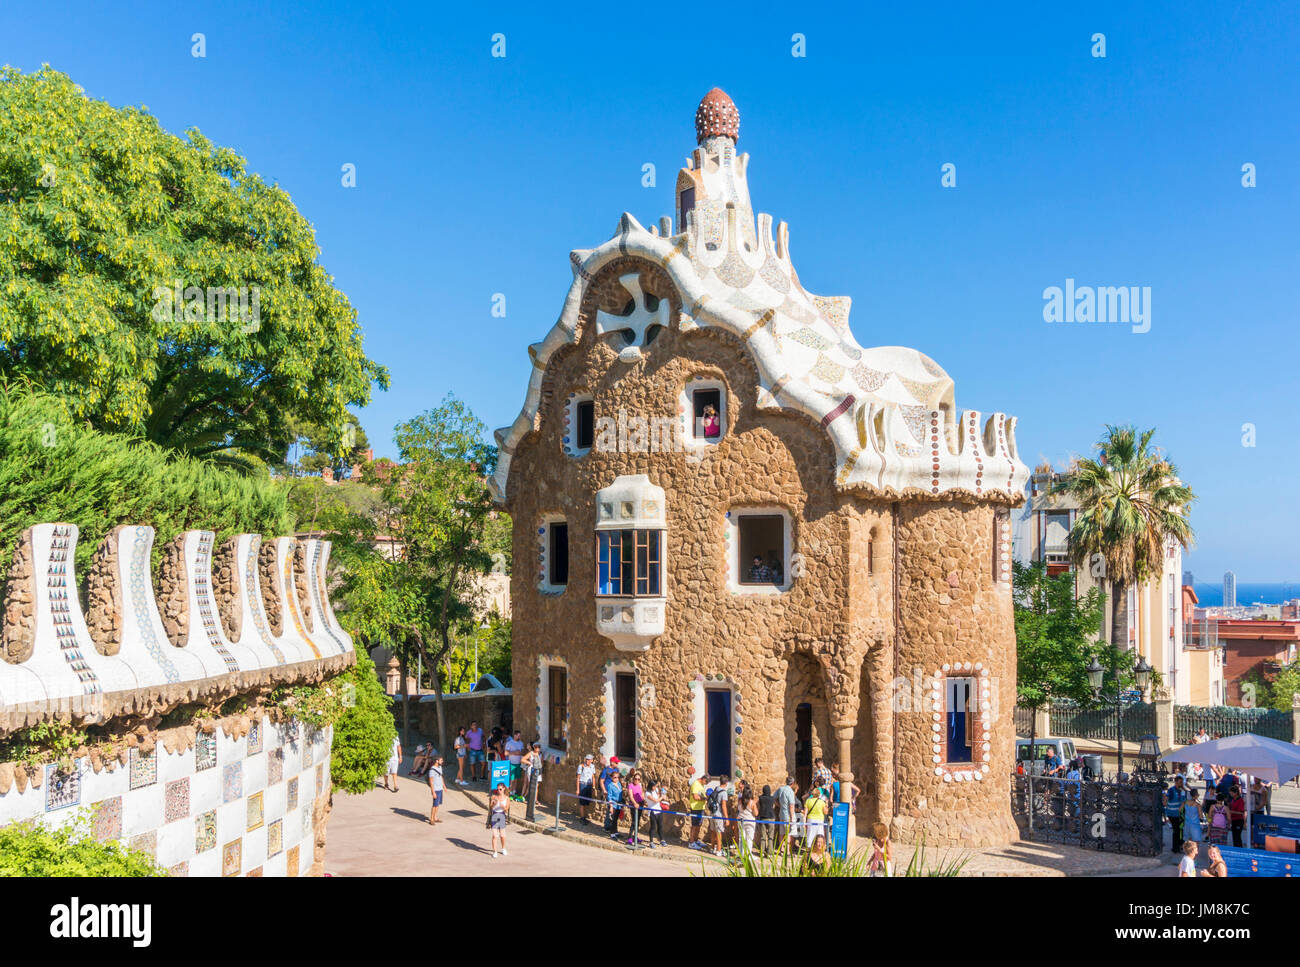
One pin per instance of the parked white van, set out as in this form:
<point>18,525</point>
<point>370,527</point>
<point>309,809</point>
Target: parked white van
<point>1044,746</point>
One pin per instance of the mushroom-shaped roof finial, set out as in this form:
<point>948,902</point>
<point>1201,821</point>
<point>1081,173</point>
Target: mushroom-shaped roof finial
<point>716,115</point>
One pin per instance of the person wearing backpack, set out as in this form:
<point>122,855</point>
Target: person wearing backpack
<point>1174,797</point>
<point>717,805</point>
<point>697,802</point>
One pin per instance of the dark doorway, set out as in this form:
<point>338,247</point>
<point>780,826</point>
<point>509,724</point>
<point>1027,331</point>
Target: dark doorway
<point>803,746</point>
<point>717,731</point>
<point>625,715</point>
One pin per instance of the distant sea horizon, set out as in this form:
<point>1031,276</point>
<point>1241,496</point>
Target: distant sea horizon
<point>1211,595</point>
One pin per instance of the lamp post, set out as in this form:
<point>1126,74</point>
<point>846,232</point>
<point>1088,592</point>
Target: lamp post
<point>1096,676</point>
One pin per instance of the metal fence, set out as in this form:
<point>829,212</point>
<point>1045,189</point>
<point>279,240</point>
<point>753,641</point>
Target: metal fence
<point>1084,722</point>
<point>1024,720</point>
<point>1228,720</point>
<point>1114,817</point>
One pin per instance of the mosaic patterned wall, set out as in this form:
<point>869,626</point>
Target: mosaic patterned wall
<point>229,805</point>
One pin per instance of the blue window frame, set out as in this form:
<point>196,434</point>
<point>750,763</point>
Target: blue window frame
<point>628,563</point>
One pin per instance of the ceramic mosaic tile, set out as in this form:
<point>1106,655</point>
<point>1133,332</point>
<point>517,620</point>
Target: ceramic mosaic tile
<point>292,795</point>
<point>306,820</point>
<point>231,857</point>
<point>61,788</point>
<point>176,800</point>
<point>205,751</point>
<point>146,842</point>
<point>180,869</point>
<point>274,766</point>
<point>232,782</point>
<point>144,768</point>
<point>205,831</point>
<point>274,838</point>
<point>255,872</point>
<point>255,738</point>
<point>306,752</point>
<point>291,861</point>
<point>255,817</point>
<point>107,822</point>
<point>320,778</point>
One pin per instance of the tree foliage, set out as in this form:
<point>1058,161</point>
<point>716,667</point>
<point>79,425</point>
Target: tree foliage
<point>102,215</point>
<point>54,467</point>
<point>1131,503</point>
<point>363,729</point>
<point>1057,635</point>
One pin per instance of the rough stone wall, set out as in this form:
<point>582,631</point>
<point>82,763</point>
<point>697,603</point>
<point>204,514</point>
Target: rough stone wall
<point>173,592</point>
<point>225,588</point>
<point>268,579</point>
<point>104,596</point>
<point>300,565</point>
<point>19,631</point>
<point>951,610</point>
<point>829,640</point>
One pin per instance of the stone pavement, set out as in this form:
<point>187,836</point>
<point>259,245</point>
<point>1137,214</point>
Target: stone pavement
<point>382,833</point>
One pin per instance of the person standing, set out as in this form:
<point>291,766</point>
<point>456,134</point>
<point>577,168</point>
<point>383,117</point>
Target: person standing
<point>394,763</point>
<point>696,803</point>
<point>1187,865</point>
<point>461,744</point>
<point>474,737</point>
<point>879,864</point>
<point>656,797</point>
<point>766,819</point>
<point>614,798</point>
<point>718,812</point>
<point>514,750</point>
<point>1237,813</point>
<point>636,803</point>
<point>1193,818</point>
<point>786,802</point>
<point>815,814</point>
<point>499,817</point>
<point>1174,798</point>
<point>435,786</point>
<point>748,815</point>
<point>821,777</point>
<point>1217,866</point>
<point>583,784</point>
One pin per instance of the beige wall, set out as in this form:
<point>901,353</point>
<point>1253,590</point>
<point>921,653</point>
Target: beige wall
<point>839,638</point>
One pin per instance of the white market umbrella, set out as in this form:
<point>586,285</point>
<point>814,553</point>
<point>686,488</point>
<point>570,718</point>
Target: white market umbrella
<point>1255,755</point>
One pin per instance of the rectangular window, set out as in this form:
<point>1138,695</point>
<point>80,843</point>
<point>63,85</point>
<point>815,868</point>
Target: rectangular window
<point>871,557</point>
<point>706,411</point>
<point>628,563</point>
<point>558,554</point>
<point>717,731</point>
<point>761,549</point>
<point>687,205</point>
<point>960,719</point>
<point>625,715</point>
<point>586,424</point>
<point>557,698</point>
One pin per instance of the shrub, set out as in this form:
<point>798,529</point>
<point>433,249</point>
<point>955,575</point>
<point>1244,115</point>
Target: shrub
<point>363,729</point>
<point>29,849</point>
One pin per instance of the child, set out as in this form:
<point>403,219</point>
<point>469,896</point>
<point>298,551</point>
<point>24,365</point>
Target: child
<point>435,787</point>
<point>878,865</point>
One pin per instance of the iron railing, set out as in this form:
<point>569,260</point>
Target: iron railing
<point>1085,722</point>
<point>1115,817</point>
<point>1024,721</point>
<point>1225,720</point>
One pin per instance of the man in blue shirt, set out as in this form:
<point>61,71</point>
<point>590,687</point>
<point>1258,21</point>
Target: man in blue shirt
<point>1174,798</point>
<point>1052,764</point>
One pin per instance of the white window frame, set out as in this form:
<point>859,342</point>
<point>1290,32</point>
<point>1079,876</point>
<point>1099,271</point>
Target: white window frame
<point>544,584</point>
<point>699,715</point>
<point>734,564</point>
<point>570,434</point>
<point>686,405</point>
<point>544,664</point>
<point>607,745</point>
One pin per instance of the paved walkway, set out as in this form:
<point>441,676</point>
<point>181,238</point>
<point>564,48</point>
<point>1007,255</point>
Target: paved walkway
<point>383,833</point>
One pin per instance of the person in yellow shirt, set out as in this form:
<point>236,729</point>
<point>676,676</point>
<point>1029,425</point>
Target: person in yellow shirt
<point>815,815</point>
<point>696,803</point>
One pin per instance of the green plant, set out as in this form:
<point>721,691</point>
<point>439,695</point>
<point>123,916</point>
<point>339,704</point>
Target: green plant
<point>782,863</point>
<point>363,727</point>
<point>42,743</point>
<point>107,215</point>
<point>30,849</point>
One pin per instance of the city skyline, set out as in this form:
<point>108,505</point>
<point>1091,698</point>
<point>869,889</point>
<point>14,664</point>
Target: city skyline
<point>1031,121</point>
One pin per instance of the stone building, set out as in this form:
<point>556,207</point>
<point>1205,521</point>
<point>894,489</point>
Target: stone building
<point>755,541</point>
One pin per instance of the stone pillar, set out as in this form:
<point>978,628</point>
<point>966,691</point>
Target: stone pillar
<point>1043,721</point>
<point>844,733</point>
<point>1164,703</point>
<point>393,680</point>
<point>1295,717</point>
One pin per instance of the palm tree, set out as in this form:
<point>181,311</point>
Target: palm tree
<point>1131,503</point>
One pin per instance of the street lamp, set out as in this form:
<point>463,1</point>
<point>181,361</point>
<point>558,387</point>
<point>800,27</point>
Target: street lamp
<point>1096,677</point>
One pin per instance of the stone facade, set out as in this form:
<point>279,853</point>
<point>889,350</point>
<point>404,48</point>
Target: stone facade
<point>889,590</point>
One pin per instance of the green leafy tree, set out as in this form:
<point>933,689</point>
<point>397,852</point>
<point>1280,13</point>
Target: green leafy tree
<point>103,214</point>
<point>1131,503</point>
<point>1056,637</point>
<point>315,447</point>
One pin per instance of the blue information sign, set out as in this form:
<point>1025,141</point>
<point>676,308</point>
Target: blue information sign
<point>840,829</point>
<point>500,773</point>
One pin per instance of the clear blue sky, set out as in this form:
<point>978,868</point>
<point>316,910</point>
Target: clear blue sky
<point>477,175</point>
